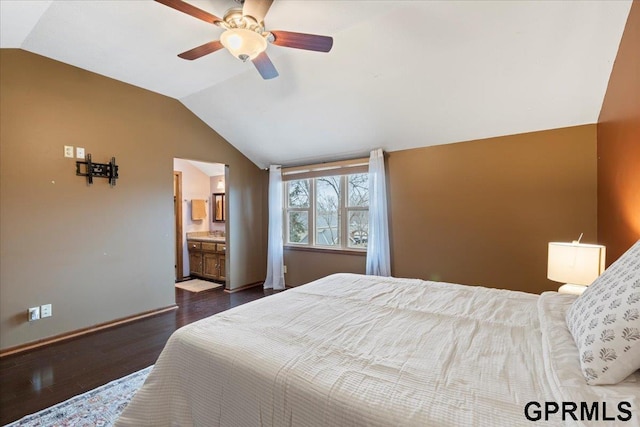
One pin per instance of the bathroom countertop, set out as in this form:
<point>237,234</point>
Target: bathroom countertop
<point>214,239</point>
<point>204,236</point>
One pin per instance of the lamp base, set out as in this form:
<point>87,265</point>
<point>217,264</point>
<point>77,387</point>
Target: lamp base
<point>572,289</point>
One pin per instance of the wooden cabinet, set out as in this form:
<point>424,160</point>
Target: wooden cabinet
<point>195,263</point>
<point>207,259</point>
<point>195,258</point>
<point>222,259</point>
<point>210,265</point>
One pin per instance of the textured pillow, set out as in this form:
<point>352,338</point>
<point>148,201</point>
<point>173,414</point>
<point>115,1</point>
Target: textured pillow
<point>605,322</point>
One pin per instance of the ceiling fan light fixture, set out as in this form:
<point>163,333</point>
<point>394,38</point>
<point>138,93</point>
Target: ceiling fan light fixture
<point>242,43</point>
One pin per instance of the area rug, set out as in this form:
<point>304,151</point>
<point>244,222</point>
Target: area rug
<point>197,285</point>
<point>98,407</point>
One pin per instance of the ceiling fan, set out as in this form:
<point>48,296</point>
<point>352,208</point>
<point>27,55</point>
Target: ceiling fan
<point>245,36</point>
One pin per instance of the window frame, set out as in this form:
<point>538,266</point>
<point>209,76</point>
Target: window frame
<point>347,209</point>
<point>312,172</point>
<point>286,210</point>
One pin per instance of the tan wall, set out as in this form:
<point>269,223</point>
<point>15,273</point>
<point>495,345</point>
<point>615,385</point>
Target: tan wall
<point>99,253</point>
<point>481,212</point>
<point>306,266</point>
<point>619,147</point>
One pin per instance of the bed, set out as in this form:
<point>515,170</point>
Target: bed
<point>355,350</point>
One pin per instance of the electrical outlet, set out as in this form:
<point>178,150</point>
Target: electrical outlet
<point>45,311</point>
<point>34,313</point>
<point>68,151</point>
<point>79,153</point>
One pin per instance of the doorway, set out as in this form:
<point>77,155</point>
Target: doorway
<point>197,187</point>
<point>177,213</point>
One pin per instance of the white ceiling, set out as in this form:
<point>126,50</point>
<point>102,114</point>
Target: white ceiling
<point>401,74</point>
<point>209,169</point>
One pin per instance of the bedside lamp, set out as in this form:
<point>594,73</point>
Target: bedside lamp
<point>576,264</point>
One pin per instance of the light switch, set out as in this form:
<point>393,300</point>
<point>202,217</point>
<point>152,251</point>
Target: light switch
<point>45,310</point>
<point>34,313</point>
<point>79,153</point>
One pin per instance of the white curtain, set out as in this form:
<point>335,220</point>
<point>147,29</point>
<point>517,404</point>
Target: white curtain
<point>378,259</point>
<point>275,261</point>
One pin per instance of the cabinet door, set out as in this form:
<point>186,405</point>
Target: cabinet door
<point>221,267</point>
<point>210,265</point>
<point>195,262</point>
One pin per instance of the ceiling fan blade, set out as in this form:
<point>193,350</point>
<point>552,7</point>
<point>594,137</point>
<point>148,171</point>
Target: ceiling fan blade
<point>265,66</point>
<point>256,8</point>
<point>190,10</point>
<point>303,41</point>
<point>200,51</point>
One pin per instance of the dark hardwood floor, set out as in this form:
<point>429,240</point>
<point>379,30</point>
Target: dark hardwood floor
<point>39,378</point>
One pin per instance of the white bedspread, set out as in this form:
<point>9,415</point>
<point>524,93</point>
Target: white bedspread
<point>352,350</point>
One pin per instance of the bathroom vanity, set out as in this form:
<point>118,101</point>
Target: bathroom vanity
<point>207,257</point>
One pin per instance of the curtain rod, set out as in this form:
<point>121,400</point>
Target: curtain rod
<point>327,165</point>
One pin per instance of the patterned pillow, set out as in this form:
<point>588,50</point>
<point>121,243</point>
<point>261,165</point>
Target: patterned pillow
<point>605,322</point>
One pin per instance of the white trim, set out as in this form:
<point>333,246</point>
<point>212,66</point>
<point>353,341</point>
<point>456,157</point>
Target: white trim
<point>342,167</point>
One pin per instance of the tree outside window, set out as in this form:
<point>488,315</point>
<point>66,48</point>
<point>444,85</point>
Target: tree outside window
<point>328,211</point>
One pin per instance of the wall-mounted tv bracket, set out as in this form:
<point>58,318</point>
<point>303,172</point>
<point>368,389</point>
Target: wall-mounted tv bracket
<point>99,170</point>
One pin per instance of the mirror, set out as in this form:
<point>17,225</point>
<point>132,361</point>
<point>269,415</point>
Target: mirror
<point>218,207</point>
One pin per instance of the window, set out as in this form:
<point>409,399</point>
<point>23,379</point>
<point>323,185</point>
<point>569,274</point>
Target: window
<point>327,211</point>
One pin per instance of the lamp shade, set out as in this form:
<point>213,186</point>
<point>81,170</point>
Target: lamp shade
<point>242,43</point>
<point>575,263</point>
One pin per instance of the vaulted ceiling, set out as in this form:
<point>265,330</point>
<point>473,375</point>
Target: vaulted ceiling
<point>401,74</point>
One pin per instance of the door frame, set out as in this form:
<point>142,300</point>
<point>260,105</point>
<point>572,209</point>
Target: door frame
<point>177,210</point>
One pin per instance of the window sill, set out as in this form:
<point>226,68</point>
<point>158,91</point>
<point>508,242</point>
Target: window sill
<point>340,251</point>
